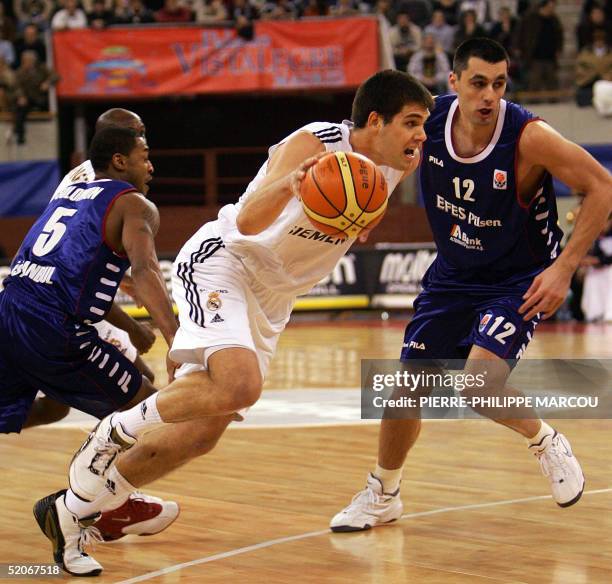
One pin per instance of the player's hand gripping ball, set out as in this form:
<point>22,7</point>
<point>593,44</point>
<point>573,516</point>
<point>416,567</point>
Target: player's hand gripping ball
<point>344,193</point>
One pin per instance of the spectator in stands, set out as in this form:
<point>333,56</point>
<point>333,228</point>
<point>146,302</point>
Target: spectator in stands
<point>209,11</point>
<point>71,17</point>
<point>316,8</point>
<point>504,31</point>
<point>450,9</point>
<point>172,11</point>
<point>7,85</point>
<point>384,9</point>
<point>133,13</point>
<point>405,39</point>
<point>279,10</point>
<point>418,10</point>
<point>594,63</point>
<point>33,81</point>
<point>480,8</point>
<point>596,19</point>
<point>605,4</point>
<point>35,12</point>
<point>443,33</point>
<point>30,41</point>
<point>344,8</point>
<point>540,42</point>
<point>430,66</point>
<point>100,17</point>
<point>244,13</point>
<point>468,28</point>
<point>7,51</point>
<point>8,28</point>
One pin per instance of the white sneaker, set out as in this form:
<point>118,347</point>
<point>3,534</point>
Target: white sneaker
<point>90,465</point>
<point>558,463</point>
<point>68,535</point>
<point>369,508</point>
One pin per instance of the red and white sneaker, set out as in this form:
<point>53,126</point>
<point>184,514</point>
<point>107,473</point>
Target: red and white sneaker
<point>140,515</point>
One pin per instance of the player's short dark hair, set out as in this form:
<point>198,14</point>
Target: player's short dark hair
<point>386,93</point>
<point>486,49</point>
<point>108,142</point>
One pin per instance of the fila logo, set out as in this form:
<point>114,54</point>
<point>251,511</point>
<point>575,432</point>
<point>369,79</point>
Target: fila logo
<point>415,345</point>
<point>436,161</point>
<point>500,180</point>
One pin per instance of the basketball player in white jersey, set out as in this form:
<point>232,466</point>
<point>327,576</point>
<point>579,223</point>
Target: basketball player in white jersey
<point>235,284</point>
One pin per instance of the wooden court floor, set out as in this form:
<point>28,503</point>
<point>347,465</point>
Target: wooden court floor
<point>256,509</point>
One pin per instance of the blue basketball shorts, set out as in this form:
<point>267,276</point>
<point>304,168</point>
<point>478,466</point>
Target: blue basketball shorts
<point>43,350</point>
<point>446,326</point>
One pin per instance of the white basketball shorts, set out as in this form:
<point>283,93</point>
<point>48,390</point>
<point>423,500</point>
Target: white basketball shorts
<point>220,305</point>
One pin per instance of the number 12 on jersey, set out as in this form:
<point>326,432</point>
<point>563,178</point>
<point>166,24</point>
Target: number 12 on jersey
<point>468,189</point>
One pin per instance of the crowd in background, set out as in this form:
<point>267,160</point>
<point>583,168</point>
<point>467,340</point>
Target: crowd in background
<point>423,34</point>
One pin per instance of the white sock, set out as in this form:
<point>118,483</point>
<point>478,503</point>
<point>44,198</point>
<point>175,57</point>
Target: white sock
<point>143,417</point>
<point>389,478</point>
<point>545,429</point>
<point>105,501</point>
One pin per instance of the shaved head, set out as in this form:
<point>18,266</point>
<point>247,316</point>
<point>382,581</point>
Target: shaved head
<point>120,118</point>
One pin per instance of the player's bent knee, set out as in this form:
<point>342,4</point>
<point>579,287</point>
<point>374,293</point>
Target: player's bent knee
<point>243,392</point>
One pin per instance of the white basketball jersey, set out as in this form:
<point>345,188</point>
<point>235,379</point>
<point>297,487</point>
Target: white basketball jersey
<point>290,256</point>
<point>84,172</point>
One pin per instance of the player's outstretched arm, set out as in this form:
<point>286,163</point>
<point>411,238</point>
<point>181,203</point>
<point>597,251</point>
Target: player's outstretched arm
<point>286,169</point>
<point>542,146</point>
<point>132,225</point>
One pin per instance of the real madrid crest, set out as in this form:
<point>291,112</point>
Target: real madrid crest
<point>214,302</point>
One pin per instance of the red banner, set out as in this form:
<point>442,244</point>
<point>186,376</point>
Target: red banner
<point>141,62</point>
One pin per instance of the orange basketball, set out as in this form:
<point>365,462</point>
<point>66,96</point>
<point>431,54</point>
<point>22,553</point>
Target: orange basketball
<point>344,193</point>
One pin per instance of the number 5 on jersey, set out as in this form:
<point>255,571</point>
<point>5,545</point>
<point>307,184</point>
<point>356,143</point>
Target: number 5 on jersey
<point>52,232</point>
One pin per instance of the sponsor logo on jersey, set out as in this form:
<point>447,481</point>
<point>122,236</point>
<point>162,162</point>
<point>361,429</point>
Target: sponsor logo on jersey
<point>484,321</point>
<point>500,179</point>
<point>416,345</point>
<point>217,318</point>
<point>213,302</point>
<point>436,161</point>
<point>461,213</point>
<point>317,235</point>
<point>39,274</point>
<point>459,236</point>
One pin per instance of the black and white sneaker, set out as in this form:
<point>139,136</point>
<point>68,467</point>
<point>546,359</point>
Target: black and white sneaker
<point>68,535</point>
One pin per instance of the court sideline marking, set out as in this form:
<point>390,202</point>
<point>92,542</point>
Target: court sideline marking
<point>281,540</point>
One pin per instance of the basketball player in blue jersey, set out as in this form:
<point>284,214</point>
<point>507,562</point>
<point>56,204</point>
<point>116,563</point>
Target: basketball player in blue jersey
<point>235,284</point>
<point>486,176</point>
<point>141,513</point>
<point>63,279</point>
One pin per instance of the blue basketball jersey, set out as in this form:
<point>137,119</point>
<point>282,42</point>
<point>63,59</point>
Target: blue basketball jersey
<point>64,264</point>
<point>487,239</point>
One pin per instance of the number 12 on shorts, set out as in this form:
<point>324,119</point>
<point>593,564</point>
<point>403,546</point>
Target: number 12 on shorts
<point>492,326</point>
